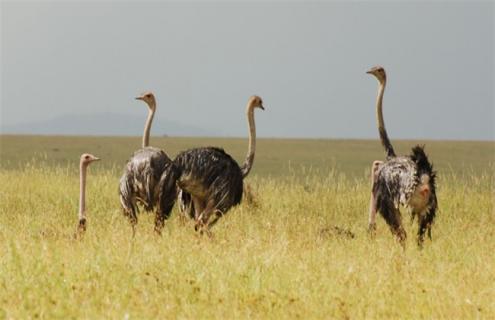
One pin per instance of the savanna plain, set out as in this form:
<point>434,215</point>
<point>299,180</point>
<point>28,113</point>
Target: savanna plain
<point>277,255</point>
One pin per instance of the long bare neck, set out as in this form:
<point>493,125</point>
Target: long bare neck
<point>147,126</point>
<point>248,163</point>
<point>82,191</point>
<point>381,124</point>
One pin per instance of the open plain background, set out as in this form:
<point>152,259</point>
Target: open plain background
<point>297,246</point>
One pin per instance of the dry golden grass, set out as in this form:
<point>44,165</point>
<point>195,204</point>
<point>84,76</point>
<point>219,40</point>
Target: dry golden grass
<point>270,258</point>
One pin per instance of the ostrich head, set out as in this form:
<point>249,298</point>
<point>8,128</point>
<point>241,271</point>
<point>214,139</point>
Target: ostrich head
<point>87,158</point>
<point>379,73</point>
<point>149,98</point>
<point>256,102</point>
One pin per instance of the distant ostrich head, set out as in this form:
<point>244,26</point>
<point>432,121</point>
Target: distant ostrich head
<point>256,102</point>
<point>149,98</point>
<point>87,158</point>
<point>379,73</point>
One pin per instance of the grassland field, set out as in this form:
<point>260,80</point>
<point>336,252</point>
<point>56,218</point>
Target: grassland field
<point>274,257</point>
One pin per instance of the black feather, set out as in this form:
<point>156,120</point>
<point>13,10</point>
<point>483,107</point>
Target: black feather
<point>208,174</point>
<point>423,165</point>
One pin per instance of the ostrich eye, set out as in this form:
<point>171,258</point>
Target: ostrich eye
<point>86,157</point>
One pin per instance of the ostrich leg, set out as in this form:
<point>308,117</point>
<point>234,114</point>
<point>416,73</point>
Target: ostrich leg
<point>202,220</point>
<point>373,209</point>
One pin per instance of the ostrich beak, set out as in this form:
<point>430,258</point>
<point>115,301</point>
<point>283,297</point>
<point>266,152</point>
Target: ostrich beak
<point>139,98</point>
<point>369,72</point>
<point>96,159</point>
<point>262,108</point>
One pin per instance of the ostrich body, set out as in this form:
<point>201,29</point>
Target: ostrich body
<point>400,180</point>
<point>84,162</point>
<point>210,180</point>
<point>143,176</point>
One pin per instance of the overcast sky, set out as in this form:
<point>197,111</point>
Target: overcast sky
<point>306,60</point>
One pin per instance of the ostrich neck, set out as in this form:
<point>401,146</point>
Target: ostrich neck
<point>147,127</point>
<point>248,163</point>
<point>82,191</point>
<point>379,106</point>
<point>381,124</point>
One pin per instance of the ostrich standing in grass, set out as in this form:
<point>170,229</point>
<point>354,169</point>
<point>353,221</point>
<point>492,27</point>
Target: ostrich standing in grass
<point>210,181</point>
<point>143,175</point>
<point>86,159</point>
<point>401,180</point>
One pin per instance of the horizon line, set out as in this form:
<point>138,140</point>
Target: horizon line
<point>240,137</point>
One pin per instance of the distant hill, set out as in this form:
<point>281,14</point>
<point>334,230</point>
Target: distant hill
<point>105,124</point>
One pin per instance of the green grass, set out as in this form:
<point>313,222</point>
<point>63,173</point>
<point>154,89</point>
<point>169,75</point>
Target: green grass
<point>267,259</point>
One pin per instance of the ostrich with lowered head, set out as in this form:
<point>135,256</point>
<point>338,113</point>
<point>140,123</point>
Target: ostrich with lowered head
<point>401,180</point>
<point>84,162</point>
<point>210,180</point>
<point>143,176</point>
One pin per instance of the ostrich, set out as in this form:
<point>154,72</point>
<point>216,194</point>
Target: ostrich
<point>86,159</point>
<point>400,180</point>
<point>209,180</point>
<point>143,176</point>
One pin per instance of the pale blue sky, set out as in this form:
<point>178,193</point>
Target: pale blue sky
<point>203,61</point>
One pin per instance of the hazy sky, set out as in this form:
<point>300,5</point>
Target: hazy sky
<point>307,61</point>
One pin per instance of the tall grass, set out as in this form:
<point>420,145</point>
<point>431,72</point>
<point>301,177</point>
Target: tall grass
<point>274,257</point>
